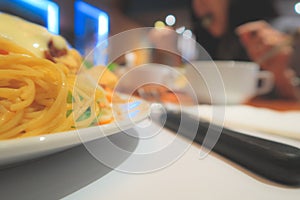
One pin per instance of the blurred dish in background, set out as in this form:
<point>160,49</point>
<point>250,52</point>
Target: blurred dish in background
<point>151,73</point>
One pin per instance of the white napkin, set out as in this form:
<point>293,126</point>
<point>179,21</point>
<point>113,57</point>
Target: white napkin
<point>256,121</point>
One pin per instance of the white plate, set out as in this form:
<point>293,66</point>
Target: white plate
<point>18,150</point>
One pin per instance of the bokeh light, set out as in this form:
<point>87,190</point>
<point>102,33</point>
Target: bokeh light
<point>180,30</point>
<point>170,20</point>
<point>159,24</point>
<point>188,33</point>
<point>297,8</point>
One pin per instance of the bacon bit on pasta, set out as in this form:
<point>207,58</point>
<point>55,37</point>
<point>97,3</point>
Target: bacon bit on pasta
<point>3,52</point>
<point>53,52</point>
<point>105,121</point>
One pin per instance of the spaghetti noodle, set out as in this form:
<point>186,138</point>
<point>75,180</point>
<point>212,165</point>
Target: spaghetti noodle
<point>39,96</point>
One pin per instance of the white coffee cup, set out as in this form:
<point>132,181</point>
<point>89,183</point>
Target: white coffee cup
<point>227,82</point>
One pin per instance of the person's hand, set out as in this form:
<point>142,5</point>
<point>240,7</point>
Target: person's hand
<point>272,50</point>
<point>268,47</point>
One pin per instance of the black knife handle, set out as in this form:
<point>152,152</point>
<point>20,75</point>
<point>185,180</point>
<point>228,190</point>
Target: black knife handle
<point>274,161</point>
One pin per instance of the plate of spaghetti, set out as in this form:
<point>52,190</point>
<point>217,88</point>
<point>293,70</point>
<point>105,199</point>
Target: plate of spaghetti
<point>48,100</point>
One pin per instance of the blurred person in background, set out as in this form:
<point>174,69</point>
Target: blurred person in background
<point>274,51</point>
<point>242,30</point>
<point>214,23</point>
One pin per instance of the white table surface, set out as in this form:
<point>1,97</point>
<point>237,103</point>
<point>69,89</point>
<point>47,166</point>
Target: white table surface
<point>189,177</point>
<point>75,174</point>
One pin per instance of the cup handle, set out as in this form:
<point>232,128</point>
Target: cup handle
<point>267,82</point>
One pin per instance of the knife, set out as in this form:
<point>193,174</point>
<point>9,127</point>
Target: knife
<point>272,160</point>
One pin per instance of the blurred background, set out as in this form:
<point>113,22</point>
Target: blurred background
<point>127,14</point>
<point>124,15</point>
<point>89,23</point>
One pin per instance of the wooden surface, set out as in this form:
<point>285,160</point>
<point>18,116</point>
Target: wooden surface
<point>166,95</point>
<point>276,104</point>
